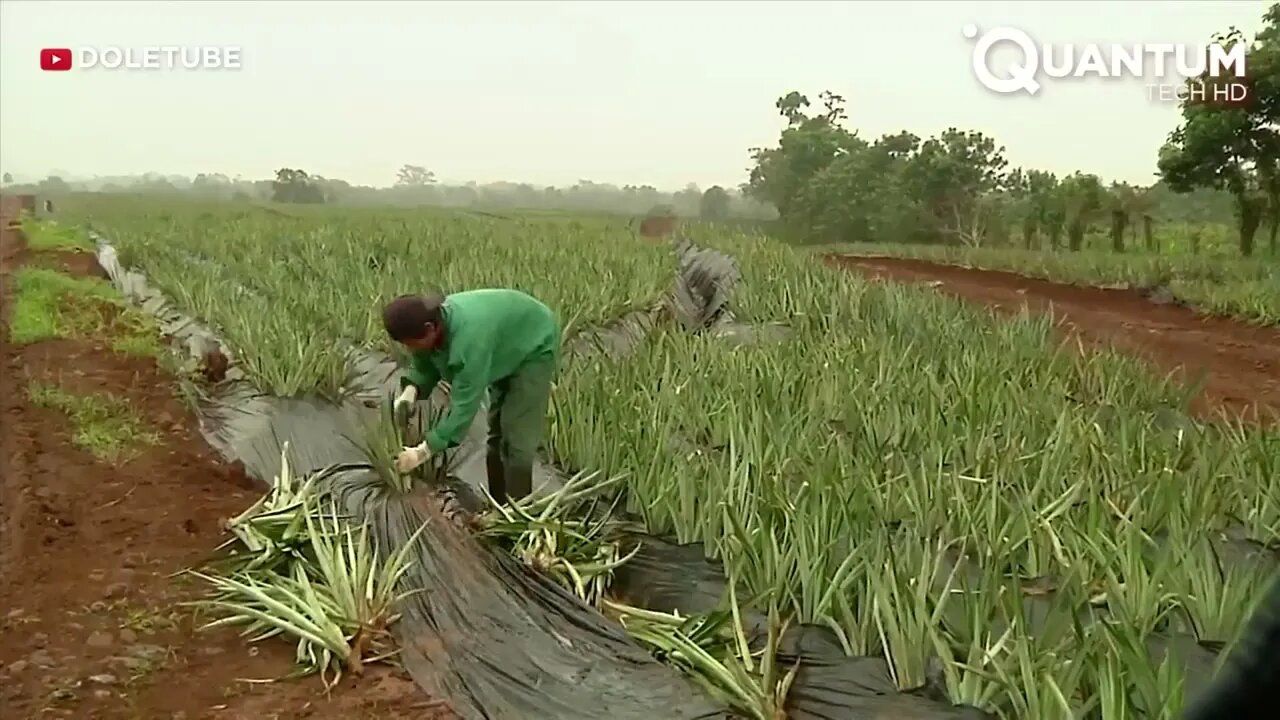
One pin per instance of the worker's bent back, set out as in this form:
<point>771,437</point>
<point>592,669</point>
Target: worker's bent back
<point>521,328</point>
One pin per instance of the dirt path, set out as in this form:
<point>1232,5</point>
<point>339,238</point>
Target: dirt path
<point>89,540</point>
<point>1241,362</point>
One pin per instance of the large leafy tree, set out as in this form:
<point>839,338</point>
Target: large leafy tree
<point>807,145</point>
<point>1232,147</point>
<point>957,176</point>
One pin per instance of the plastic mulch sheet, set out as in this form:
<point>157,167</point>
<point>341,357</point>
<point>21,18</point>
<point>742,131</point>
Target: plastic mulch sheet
<point>830,684</point>
<point>494,638</point>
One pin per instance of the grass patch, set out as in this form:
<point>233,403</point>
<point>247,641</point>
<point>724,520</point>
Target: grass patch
<point>140,338</point>
<point>104,424</point>
<point>49,235</point>
<point>48,304</point>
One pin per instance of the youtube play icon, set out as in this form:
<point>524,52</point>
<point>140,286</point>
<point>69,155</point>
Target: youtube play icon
<point>55,59</point>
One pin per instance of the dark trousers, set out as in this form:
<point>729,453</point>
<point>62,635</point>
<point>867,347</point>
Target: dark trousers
<point>517,420</point>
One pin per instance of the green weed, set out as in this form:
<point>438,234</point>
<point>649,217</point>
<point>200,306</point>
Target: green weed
<point>104,425</point>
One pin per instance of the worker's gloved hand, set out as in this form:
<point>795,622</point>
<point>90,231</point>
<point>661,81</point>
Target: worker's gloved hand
<point>411,457</point>
<point>403,407</point>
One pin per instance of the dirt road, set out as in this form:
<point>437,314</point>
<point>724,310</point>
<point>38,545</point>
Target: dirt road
<point>1241,362</point>
<point>107,490</point>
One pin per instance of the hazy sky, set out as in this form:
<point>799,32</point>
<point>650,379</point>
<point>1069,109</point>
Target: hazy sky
<point>663,93</point>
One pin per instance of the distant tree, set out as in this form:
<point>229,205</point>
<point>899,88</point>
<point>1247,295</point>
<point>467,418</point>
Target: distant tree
<point>414,176</point>
<point>295,186</point>
<point>1030,199</point>
<point>782,175</point>
<point>714,204</point>
<point>332,189</point>
<point>862,195</point>
<point>1083,196</point>
<point>8,178</point>
<point>1120,200</point>
<point>956,176</point>
<point>53,185</point>
<point>829,185</point>
<point>1045,205</point>
<point>1142,203</point>
<point>213,184</point>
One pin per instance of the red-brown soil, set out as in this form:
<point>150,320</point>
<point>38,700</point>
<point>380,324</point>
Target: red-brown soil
<point>657,226</point>
<point>1241,362</point>
<point>89,610</point>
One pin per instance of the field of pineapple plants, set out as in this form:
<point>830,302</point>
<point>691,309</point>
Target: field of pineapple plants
<point>1031,532</point>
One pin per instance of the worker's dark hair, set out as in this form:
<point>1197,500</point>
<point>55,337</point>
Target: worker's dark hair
<point>406,317</point>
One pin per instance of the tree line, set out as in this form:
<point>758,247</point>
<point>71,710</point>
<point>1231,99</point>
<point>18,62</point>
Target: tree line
<point>830,185</point>
<point>415,185</point>
<point>822,182</point>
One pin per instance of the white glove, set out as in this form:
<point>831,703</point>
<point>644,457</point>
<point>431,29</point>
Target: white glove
<point>411,457</point>
<point>404,403</point>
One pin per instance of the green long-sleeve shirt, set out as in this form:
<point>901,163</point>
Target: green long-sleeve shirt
<point>489,334</point>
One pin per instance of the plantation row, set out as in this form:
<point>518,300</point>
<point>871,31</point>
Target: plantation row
<point>920,478</point>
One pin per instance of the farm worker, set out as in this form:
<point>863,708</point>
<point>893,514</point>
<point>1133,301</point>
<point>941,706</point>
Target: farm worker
<point>1245,687</point>
<point>501,340</point>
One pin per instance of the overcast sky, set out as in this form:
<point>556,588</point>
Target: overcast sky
<point>663,93</point>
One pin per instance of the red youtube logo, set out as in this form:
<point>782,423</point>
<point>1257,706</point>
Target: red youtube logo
<point>55,59</point>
